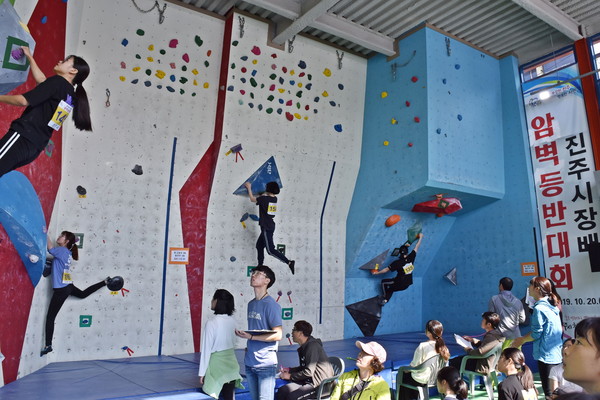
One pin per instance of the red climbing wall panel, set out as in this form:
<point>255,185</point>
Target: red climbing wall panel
<point>44,174</point>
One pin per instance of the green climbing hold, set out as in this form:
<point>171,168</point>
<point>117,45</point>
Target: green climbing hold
<point>198,40</point>
<point>184,68</point>
<point>140,32</point>
<point>272,76</point>
<point>253,82</point>
<point>299,93</point>
<point>148,72</point>
<point>183,79</point>
<point>138,56</point>
<point>234,43</point>
<point>270,98</point>
<point>206,64</point>
<point>163,52</point>
<point>269,110</point>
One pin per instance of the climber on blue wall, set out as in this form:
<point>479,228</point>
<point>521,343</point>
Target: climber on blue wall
<point>48,106</point>
<point>404,268</point>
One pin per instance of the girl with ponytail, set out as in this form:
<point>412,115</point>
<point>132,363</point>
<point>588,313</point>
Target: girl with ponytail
<point>451,385</point>
<point>546,330</point>
<point>64,253</point>
<point>48,106</point>
<point>434,346</point>
<point>518,384</point>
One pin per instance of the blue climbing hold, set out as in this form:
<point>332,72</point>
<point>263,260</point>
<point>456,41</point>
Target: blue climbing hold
<point>124,42</point>
<point>459,117</point>
<point>444,81</point>
<point>457,66</point>
<point>438,131</point>
<point>340,86</point>
<point>230,88</point>
<point>232,258</point>
<point>338,127</point>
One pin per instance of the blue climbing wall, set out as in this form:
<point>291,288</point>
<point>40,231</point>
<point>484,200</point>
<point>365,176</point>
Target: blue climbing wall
<point>436,125</point>
<point>492,242</point>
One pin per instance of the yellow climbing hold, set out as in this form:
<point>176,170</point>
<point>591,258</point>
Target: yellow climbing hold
<point>325,94</point>
<point>254,62</point>
<point>298,116</point>
<point>151,47</point>
<point>306,118</point>
<point>327,72</point>
<point>385,143</point>
<point>394,122</point>
<point>384,95</point>
<point>195,71</point>
<point>160,74</point>
<point>292,72</point>
<point>281,90</point>
<point>150,59</point>
<point>135,69</point>
<point>206,85</point>
<point>195,82</point>
<point>299,84</point>
<point>122,78</point>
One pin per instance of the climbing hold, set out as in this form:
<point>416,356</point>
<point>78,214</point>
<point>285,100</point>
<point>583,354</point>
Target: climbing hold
<point>148,83</point>
<point>414,79</point>
<point>444,81</point>
<point>417,119</point>
<point>230,88</point>
<point>140,32</point>
<point>284,69</point>
<point>173,43</point>
<point>124,42</point>
<point>392,220</point>
<point>386,143</point>
<point>338,127</point>
<point>289,116</point>
<point>327,72</point>
<point>195,71</point>
<point>459,117</point>
<point>340,86</point>
<point>384,95</point>
<point>273,55</point>
<point>394,121</point>
<point>407,103</point>
<point>332,103</point>
<point>44,19</point>
<point>135,81</point>
<point>302,64</point>
<point>186,57</point>
<point>198,40</point>
<point>234,43</point>
<point>123,65</point>
<point>457,66</point>
<point>151,47</point>
<point>255,50</point>
<point>438,131</point>
<point>410,144</point>
<point>137,169</point>
<point>325,94</point>
<point>232,258</point>
<point>160,74</point>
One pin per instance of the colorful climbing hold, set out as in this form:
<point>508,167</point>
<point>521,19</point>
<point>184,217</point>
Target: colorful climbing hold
<point>340,86</point>
<point>135,69</point>
<point>302,64</point>
<point>230,88</point>
<point>135,81</point>
<point>332,103</point>
<point>185,57</point>
<point>459,117</point>
<point>234,43</point>
<point>457,66</point>
<point>122,78</point>
<point>284,69</point>
<point>208,53</point>
<point>162,51</point>
<point>198,40</point>
<point>337,127</point>
<point>148,83</point>
<point>410,144</point>
<point>289,103</point>
<point>151,47</point>
<point>386,143</point>
<point>160,74</point>
<point>124,42</point>
<point>150,59</point>
<point>195,71</point>
<point>327,72</point>
<point>172,78</point>
<point>253,82</point>
<point>271,88</point>
<point>394,121</point>
<point>384,95</point>
<point>289,116</point>
<point>173,43</point>
<point>325,94</point>
<point>172,65</point>
<point>270,98</point>
<point>44,19</point>
<point>242,92</point>
<point>123,65</point>
<point>438,131</point>
<point>140,32</point>
<point>299,93</point>
<point>417,119</point>
<point>407,103</point>
<point>148,72</point>
<point>255,50</point>
<point>206,63</point>
<point>444,81</point>
<point>183,79</point>
<point>414,79</point>
<point>273,55</point>
<point>269,110</point>
<point>170,89</point>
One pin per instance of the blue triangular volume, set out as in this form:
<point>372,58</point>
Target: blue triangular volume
<point>266,173</point>
<point>22,217</point>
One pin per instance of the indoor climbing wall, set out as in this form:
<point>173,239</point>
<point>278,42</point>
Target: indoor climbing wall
<point>436,121</point>
<point>293,113</point>
<point>154,78</point>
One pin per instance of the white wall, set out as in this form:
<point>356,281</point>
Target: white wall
<point>304,150</point>
<point>123,216</point>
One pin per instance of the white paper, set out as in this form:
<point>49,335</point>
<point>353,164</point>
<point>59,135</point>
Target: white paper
<point>464,343</point>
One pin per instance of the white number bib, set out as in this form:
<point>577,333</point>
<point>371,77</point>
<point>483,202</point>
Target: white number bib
<point>62,112</point>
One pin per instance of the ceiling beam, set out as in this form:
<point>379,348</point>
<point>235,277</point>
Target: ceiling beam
<point>311,10</point>
<point>553,16</point>
<point>319,19</point>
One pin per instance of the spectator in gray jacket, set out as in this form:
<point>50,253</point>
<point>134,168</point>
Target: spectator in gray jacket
<point>510,310</point>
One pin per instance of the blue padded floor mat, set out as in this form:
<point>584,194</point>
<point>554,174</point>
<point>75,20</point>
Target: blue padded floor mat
<point>176,377</point>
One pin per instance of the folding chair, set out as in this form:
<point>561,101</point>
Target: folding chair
<point>490,379</point>
<point>338,369</point>
<point>433,364</point>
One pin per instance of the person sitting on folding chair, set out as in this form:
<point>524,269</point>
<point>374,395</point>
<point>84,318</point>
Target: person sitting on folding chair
<point>493,337</point>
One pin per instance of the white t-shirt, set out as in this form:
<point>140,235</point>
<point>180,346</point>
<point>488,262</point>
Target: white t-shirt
<point>218,335</point>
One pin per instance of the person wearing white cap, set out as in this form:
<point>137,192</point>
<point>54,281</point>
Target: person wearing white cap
<point>363,383</point>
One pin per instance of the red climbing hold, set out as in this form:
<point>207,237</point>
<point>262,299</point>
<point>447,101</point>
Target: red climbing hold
<point>289,116</point>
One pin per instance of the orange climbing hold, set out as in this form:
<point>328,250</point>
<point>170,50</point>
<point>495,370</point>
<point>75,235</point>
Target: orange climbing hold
<point>392,220</point>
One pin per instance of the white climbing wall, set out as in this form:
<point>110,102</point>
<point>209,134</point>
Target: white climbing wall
<point>123,216</point>
<point>305,150</point>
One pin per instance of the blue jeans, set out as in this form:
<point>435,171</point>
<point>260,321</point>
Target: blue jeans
<point>261,382</point>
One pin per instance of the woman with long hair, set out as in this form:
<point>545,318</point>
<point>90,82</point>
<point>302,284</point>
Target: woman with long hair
<point>364,383</point>
<point>434,346</point>
<point>219,370</point>
<point>518,384</point>
<point>546,330</point>
<point>450,384</point>
<point>48,106</point>
<point>64,253</point>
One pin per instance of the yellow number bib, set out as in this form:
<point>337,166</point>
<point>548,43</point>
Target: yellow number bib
<point>62,112</point>
<point>408,268</point>
<point>272,208</point>
<point>66,277</point>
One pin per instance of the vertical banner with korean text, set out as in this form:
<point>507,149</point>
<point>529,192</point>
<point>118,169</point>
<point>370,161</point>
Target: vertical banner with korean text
<point>566,189</point>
